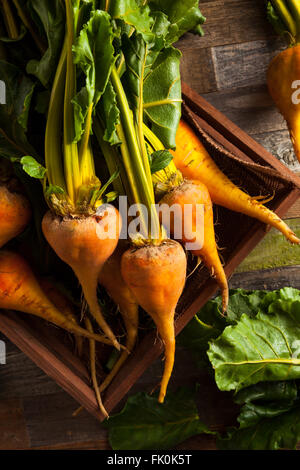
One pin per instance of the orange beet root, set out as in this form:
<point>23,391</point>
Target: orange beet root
<point>190,193</point>
<point>111,278</point>
<point>283,81</point>
<point>19,290</point>
<point>156,276</point>
<point>15,214</point>
<point>194,162</point>
<point>82,244</point>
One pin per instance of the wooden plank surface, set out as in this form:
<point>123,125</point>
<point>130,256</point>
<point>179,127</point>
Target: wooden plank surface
<point>228,67</point>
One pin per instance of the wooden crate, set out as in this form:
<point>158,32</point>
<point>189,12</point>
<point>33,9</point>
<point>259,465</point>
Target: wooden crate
<point>248,161</point>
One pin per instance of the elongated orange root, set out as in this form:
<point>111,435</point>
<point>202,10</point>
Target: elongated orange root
<point>197,228</point>
<point>15,214</point>
<point>89,327</point>
<point>63,305</point>
<point>111,278</point>
<point>19,290</point>
<point>85,245</point>
<point>192,159</point>
<point>283,83</point>
<point>156,275</point>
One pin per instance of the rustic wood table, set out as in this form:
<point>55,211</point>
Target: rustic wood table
<point>228,67</point>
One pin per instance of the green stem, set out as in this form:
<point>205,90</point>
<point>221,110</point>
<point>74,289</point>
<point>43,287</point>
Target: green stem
<point>9,19</point>
<point>53,140</point>
<point>294,7</point>
<point>132,159</point>
<point>285,15</point>
<point>111,157</point>
<point>153,139</point>
<point>86,159</point>
<point>71,158</point>
<point>169,173</point>
<point>140,133</point>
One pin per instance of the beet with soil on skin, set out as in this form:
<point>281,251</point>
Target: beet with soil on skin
<point>196,194</point>
<point>15,214</point>
<point>195,163</point>
<point>20,291</point>
<point>156,275</point>
<point>82,244</point>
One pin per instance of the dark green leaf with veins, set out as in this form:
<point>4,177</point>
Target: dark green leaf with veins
<point>162,96</point>
<point>145,424</point>
<point>110,115</point>
<point>281,432</point>
<point>14,114</point>
<point>133,13</point>
<point>184,15</point>
<point>160,160</point>
<point>94,54</point>
<point>153,85</point>
<point>269,418</point>
<point>264,348</point>
<point>51,16</point>
<point>265,400</point>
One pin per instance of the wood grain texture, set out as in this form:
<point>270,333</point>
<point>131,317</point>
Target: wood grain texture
<point>269,279</point>
<point>230,22</point>
<point>192,65</point>
<point>13,431</point>
<point>236,65</point>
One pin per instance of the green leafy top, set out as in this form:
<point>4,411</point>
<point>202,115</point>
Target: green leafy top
<point>112,70</point>
<point>93,53</point>
<point>285,18</point>
<point>254,352</point>
<point>183,16</point>
<point>14,114</point>
<point>268,420</point>
<point>50,15</point>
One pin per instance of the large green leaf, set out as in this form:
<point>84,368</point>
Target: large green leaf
<point>14,114</point>
<point>146,424</point>
<point>264,348</point>
<point>162,96</point>
<point>94,54</point>
<point>153,84</point>
<point>183,15</point>
<point>51,15</point>
<point>265,400</point>
<point>196,336</point>
<point>268,418</point>
<point>133,13</point>
<point>209,323</point>
<point>287,293</point>
<point>281,432</point>
<point>110,115</point>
